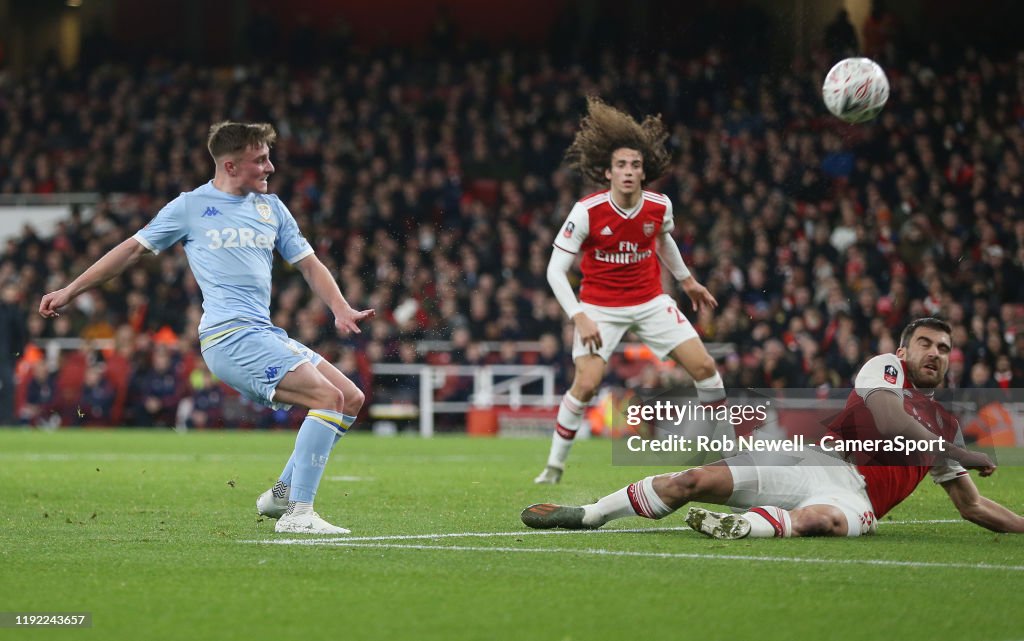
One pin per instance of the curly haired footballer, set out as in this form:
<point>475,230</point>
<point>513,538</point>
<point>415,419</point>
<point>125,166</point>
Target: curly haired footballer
<point>605,129</point>
<point>622,235</point>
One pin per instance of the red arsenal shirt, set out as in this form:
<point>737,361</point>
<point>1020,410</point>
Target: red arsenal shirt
<point>888,485</point>
<point>619,264</point>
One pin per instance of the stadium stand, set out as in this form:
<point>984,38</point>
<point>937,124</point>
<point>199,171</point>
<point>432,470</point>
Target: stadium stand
<point>433,190</point>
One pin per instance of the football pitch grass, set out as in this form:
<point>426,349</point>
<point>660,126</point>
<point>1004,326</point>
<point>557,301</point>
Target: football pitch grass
<point>155,534</point>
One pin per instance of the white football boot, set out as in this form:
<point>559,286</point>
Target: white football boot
<point>309,523</point>
<point>270,506</point>
<point>717,525</point>
<point>551,475</point>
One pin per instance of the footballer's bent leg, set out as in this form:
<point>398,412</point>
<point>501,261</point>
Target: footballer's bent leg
<point>354,397</point>
<point>770,521</point>
<point>313,444</point>
<point>589,372</point>
<point>694,358</point>
<point>821,520</point>
<point>708,484</point>
<point>312,447</point>
<point>654,497</point>
<point>659,496</point>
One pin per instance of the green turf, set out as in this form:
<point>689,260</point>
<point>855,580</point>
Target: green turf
<point>146,530</point>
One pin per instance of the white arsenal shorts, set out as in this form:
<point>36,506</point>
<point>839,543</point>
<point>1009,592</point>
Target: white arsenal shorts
<point>658,323</point>
<point>797,480</point>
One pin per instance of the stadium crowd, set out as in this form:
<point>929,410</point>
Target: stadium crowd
<point>432,189</point>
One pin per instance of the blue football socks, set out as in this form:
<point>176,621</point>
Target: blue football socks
<point>317,436</point>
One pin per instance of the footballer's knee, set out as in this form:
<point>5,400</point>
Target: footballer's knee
<point>585,386</point>
<point>354,401</point>
<point>328,397</point>
<point>589,372</point>
<point>704,369</point>
<point>692,485</point>
<point>818,522</point>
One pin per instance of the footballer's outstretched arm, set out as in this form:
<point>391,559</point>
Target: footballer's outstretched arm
<point>892,419</point>
<point>980,510</point>
<point>668,253</point>
<point>109,265</point>
<point>324,286</point>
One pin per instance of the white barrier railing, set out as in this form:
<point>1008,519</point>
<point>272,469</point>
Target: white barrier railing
<point>486,392</point>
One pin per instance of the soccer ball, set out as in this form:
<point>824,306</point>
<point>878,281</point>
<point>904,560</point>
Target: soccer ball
<point>855,89</point>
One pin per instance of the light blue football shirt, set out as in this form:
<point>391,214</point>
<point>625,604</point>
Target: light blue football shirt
<point>229,241</point>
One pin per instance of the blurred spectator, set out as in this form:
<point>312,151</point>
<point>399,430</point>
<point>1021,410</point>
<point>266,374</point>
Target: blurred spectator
<point>403,388</point>
<point>1003,375</point>
<point>13,338</point>
<point>203,407</point>
<point>38,407</point>
<point>552,355</point>
<point>879,30</point>
<point>841,36</point>
<point>981,376</point>
<point>779,370</point>
<point>955,374</point>
<point>155,392</point>
<point>97,400</point>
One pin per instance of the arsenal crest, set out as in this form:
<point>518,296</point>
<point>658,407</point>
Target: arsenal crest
<point>648,229</point>
<point>264,211</point>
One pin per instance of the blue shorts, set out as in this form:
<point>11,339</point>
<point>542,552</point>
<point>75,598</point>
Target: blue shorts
<point>253,360</point>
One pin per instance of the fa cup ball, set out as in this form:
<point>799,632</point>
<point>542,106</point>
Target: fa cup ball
<point>855,89</point>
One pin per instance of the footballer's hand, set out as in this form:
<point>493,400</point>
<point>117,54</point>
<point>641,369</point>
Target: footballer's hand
<point>986,471</point>
<point>699,294</point>
<point>53,302</point>
<point>347,320</point>
<point>590,335</point>
<point>975,461</point>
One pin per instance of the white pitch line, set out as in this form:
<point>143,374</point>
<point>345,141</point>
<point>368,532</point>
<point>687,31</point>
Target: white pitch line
<point>469,535</point>
<point>108,457</point>
<point>653,555</point>
<point>486,535</point>
<point>921,521</point>
<point>159,456</point>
